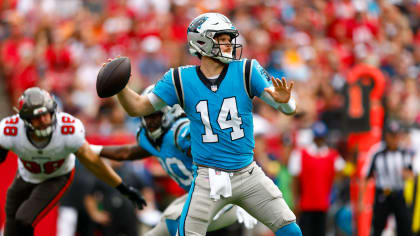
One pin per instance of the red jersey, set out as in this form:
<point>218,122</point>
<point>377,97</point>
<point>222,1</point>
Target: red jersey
<point>316,179</point>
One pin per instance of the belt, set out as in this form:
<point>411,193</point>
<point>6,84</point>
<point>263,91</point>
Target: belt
<point>235,172</point>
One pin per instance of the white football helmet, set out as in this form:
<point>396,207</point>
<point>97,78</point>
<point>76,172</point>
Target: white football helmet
<point>201,33</point>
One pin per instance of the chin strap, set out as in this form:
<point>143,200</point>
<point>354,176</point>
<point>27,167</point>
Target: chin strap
<point>225,58</point>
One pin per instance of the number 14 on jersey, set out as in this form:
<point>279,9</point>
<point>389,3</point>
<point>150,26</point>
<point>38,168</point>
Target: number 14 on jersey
<point>227,118</point>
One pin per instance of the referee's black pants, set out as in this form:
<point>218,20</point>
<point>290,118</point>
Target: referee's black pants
<point>386,204</point>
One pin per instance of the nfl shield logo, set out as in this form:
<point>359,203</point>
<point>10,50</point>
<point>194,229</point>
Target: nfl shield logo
<point>214,88</point>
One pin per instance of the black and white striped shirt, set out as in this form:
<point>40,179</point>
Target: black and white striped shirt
<point>387,166</point>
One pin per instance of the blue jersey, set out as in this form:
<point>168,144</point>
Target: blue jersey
<point>220,112</point>
<point>172,153</point>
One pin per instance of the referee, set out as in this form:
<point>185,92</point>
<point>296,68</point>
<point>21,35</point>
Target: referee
<point>389,165</point>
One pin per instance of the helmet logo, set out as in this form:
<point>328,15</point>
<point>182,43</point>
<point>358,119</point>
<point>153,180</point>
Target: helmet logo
<point>21,102</point>
<point>197,24</point>
<point>40,110</point>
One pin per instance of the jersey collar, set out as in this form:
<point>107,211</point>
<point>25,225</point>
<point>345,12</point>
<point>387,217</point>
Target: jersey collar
<point>213,86</point>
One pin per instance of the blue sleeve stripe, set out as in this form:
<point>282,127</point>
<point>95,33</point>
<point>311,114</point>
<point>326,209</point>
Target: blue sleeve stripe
<point>247,77</point>
<point>176,77</point>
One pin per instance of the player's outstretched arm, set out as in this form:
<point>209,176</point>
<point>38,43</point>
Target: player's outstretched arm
<point>123,152</point>
<point>135,104</point>
<point>282,92</point>
<point>280,96</point>
<point>95,164</point>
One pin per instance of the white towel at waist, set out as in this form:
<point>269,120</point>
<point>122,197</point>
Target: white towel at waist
<point>219,184</point>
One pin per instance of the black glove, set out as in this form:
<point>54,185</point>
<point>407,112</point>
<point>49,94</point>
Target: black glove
<point>132,194</point>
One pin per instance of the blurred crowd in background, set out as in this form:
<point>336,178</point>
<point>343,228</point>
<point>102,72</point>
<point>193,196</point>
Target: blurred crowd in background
<point>60,45</point>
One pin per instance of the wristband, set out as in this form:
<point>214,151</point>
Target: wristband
<point>288,107</point>
<point>96,149</point>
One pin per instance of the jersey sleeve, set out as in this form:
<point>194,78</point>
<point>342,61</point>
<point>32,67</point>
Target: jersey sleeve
<point>6,138</point>
<point>260,78</point>
<point>165,89</point>
<point>76,139</point>
<point>183,138</point>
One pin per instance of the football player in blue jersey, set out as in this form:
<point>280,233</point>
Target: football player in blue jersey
<point>165,134</point>
<point>217,98</point>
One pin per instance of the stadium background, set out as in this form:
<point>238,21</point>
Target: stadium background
<point>59,45</point>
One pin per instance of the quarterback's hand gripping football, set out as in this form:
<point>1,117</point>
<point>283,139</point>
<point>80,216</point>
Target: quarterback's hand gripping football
<point>245,218</point>
<point>282,92</point>
<point>113,76</point>
<point>132,194</point>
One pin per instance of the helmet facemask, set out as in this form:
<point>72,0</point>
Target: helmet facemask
<point>155,119</point>
<point>160,121</point>
<point>42,133</point>
<point>36,102</point>
<point>153,128</point>
<point>224,56</point>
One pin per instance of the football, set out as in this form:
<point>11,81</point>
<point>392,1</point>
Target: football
<point>113,77</point>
